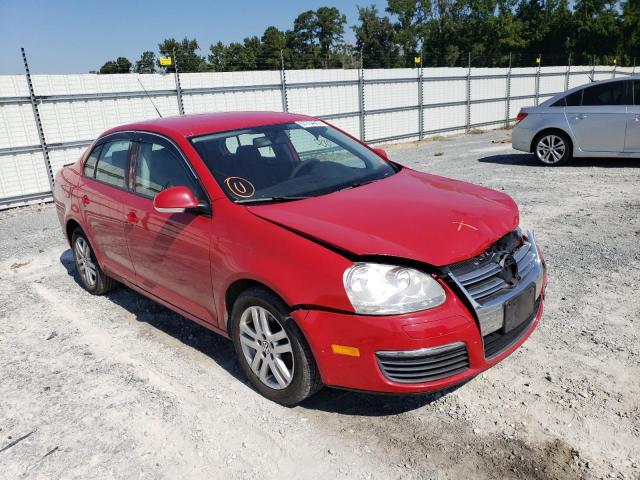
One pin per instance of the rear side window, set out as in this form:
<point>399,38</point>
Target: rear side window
<point>157,168</point>
<point>90,164</point>
<point>560,103</point>
<point>575,99</point>
<point>613,93</point>
<point>113,163</point>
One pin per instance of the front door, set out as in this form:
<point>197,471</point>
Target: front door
<point>170,251</point>
<point>599,123</point>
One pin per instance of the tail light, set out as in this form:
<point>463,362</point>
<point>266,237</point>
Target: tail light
<point>521,116</point>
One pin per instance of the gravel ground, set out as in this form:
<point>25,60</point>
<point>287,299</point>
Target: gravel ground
<point>120,387</point>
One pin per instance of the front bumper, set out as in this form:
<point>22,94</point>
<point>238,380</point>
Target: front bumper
<point>441,332</point>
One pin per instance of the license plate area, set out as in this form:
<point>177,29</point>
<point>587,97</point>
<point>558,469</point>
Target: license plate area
<point>518,309</point>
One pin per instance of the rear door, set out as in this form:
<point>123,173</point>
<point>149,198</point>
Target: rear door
<point>170,251</point>
<point>103,187</point>
<point>599,121</point>
<point>632,140</point>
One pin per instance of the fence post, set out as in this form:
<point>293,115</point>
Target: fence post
<point>507,108</point>
<point>36,115</point>
<point>176,75</point>
<point>634,66</point>
<point>468,111</point>
<point>615,65</point>
<point>420,102</point>
<point>566,79</point>
<point>283,83</point>
<point>539,62</point>
<point>593,69</point>
<point>361,99</point>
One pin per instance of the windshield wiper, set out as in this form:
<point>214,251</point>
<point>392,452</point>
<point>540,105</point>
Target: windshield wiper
<point>276,199</point>
<point>356,184</point>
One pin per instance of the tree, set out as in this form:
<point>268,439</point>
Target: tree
<point>217,57</point>
<point>329,29</point>
<point>274,42</point>
<point>185,52</point>
<point>147,63</point>
<point>631,28</point>
<point>412,15</point>
<point>120,65</point>
<point>597,28</point>
<point>375,38</point>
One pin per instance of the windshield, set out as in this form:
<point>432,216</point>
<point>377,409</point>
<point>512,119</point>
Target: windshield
<point>288,161</point>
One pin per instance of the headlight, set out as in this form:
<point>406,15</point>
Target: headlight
<point>378,289</point>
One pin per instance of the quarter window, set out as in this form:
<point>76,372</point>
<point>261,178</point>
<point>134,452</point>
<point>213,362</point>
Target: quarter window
<point>575,99</point>
<point>90,164</point>
<point>613,93</point>
<point>112,163</point>
<point>158,168</point>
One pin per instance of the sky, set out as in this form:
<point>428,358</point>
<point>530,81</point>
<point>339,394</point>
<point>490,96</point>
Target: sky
<point>71,36</point>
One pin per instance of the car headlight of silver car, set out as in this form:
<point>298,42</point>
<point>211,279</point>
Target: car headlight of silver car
<point>378,289</point>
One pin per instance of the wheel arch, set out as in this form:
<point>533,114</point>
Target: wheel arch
<point>235,289</point>
<point>547,130</point>
<point>70,226</point>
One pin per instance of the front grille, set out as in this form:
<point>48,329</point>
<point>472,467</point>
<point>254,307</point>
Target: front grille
<point>424,365</point>
<point>482,276</point>
<point>498,341</point>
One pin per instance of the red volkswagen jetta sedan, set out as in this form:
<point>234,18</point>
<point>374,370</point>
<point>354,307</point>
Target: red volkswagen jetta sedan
<point>325,262</point>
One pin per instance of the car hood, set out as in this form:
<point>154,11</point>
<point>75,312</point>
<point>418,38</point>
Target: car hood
<point>412,215</point>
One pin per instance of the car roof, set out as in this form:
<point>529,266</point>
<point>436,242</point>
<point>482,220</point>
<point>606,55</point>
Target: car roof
<point>205,123</point>
<point>584,85</point>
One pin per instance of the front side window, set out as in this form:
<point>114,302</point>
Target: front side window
<point>157,168</point>
<point>636,92</point>
<point>613,93</point>
<point>287,161</point>
<point>113,163</point>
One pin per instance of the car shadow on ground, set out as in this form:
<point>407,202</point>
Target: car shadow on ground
<point>528,160</point>
<point>221,351</point>
<point>191,334</point>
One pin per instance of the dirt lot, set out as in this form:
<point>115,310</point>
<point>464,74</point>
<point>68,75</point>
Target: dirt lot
<point>119,387</point>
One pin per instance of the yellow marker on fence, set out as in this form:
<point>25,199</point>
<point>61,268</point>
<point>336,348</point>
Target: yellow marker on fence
<point>417,60</point>
<point>166,61</point>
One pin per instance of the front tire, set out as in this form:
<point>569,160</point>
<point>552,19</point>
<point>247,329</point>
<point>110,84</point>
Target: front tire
<point>552,148</point>
<point>271,348</point>
<point>93,279</point>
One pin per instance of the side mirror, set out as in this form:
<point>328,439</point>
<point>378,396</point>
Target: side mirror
<point>381,152</point>
<point>175,200</point>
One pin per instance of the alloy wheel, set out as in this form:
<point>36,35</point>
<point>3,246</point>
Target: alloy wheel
<point>266,347</point>
<point>551,149</point>
<point>86,267</point>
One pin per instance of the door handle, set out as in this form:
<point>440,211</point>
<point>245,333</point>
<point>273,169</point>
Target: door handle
<point>580,117</point>
<point>637,118</point>
<point>85,200</point>
<point>132,217</point>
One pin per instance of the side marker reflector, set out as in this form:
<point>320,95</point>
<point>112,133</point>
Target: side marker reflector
<point>344,350</point>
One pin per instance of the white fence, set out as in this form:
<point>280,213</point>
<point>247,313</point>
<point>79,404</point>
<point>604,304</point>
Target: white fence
<point>377,105</point>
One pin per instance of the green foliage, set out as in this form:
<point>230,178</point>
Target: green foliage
<point>185,52</point>
<point>147,63</point>
<point>442,32</point>
<point>119,65</point>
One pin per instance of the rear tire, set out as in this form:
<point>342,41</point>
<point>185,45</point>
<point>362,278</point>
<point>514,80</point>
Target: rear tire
<point>93,279</point>
<point>271,348</point>
<point>553,148</point>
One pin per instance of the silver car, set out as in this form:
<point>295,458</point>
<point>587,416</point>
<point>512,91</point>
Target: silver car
<point>601,119</point>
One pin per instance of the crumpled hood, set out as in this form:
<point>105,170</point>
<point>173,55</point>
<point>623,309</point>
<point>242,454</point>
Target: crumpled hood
<point>411,215</point>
